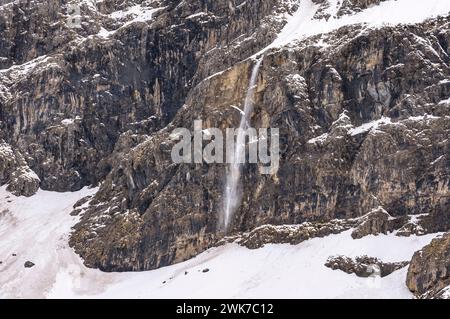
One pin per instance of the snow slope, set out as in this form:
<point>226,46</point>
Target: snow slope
<point>37,229</point>
<point>34,229</point>
<point>302,23</point>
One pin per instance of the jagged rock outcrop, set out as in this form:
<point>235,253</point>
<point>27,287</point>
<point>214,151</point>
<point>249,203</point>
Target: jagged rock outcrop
<point>378,221</point>
<point>426,224</point>
<point>429,270</point>
<point>353,6</point>
<point>291,234</point>
<point>364,266</point>
<point>14,172</point>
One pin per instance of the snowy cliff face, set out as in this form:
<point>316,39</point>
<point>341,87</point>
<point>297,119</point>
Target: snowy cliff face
<point>71,85</point>
<point>359,89</point>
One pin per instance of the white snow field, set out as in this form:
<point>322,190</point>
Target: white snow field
<point>302,24</point>
<point>37,229</point>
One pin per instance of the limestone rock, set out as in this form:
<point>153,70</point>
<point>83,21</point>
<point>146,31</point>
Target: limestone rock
<point>425,224</point>
<point>378,221</point>
<point>362,113</point>
<point>292,234</point>
<point>364,266</point>
<point>68,93</point>
<point>444,293</point>
<point>429,270</point>
<point>24,182</point>
<point>14,172</point>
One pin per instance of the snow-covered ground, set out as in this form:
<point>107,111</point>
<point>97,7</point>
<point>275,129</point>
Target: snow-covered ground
<point>303,23</point>
<point>37,229</point>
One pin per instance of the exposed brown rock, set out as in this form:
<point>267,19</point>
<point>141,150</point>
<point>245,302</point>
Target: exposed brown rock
<point>82,201</point>
<point>292,234</point>
<point>378,221</point>
<point>353,6</point>
<point>364,266</point>
<point>429,269</point>
<point>15,172</point>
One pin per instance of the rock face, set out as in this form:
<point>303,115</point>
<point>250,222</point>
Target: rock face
<point>364,266</point>
<point>67,93</point>
<point>363,115</point>
<point>429,270</point>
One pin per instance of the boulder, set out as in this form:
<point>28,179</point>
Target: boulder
<point>364,266</point>
<point>15,172</point>
<point>429,269</point>
<point>24,182</point>
<point>378,221</point>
